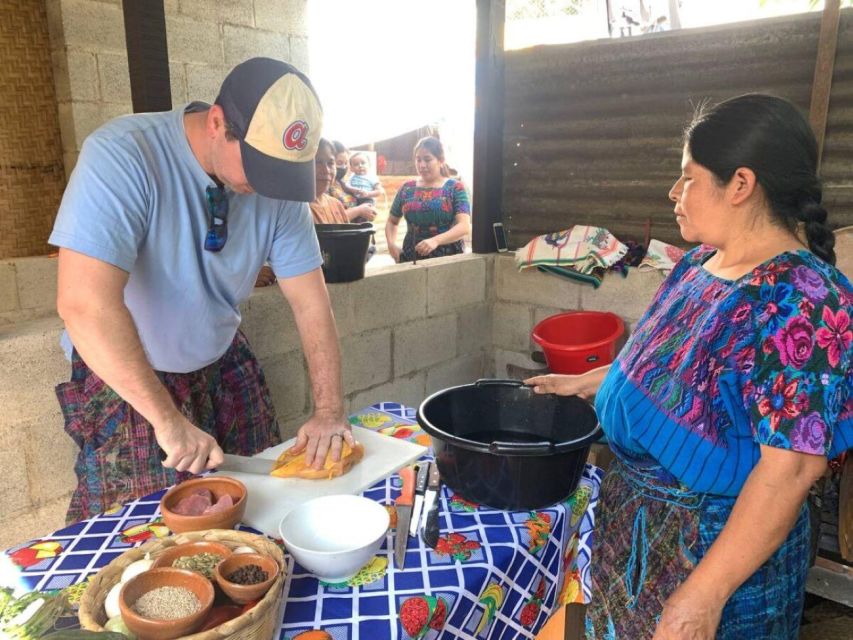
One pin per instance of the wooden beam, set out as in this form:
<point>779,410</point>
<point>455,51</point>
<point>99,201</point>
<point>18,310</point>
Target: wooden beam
<point>822,83</point>
<point>147,55</point>
<point>488,123</point>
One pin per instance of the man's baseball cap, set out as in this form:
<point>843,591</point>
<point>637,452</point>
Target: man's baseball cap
<point>277,117</point>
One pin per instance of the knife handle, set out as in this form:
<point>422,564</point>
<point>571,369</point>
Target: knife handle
<point>406,498</point>
<point>422,477</point>
<point>434,478</point>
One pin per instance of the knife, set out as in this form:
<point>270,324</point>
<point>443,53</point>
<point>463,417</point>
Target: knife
<point>429,531</point>
<point>246,464</point>
<point>420,487</point>
<point>404,516</point>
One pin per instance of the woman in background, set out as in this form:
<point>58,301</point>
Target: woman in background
<point>436,208</point>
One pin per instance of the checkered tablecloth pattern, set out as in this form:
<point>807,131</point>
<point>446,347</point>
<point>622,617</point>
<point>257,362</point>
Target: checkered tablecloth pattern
<point>497,574</point>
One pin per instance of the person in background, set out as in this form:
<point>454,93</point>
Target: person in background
<point>324,208</point>
<point>731,393</point>
<point>364,187</point>
<point>436,208</point>
<point>164,225</point>
<point>365,212</point>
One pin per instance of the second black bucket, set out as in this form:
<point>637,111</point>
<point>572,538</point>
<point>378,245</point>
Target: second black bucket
<point>344,249</point>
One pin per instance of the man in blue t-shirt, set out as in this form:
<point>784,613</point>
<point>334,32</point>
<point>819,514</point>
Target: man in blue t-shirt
<point>165,222</point>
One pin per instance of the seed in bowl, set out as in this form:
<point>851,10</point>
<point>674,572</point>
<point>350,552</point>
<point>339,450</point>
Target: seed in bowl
<point>202,563</point>
<point>249,574</point>
<point>167,603</point>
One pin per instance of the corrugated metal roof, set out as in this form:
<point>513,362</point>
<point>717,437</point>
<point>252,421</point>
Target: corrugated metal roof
<point>592,131</point>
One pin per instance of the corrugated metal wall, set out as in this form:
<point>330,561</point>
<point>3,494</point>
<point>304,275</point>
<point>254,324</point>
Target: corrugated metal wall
<point>592,130</point>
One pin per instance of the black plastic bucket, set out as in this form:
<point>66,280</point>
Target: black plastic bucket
<point>344,249</point>
<point>498,443</point>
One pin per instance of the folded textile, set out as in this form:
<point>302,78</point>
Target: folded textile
<point>582,248</point>
<point>660,255</point>
<point>594,277</point>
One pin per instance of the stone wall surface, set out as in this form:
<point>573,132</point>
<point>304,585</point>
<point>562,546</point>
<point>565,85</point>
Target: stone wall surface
<point>205,39</point>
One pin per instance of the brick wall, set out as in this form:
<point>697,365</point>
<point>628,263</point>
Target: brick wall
<point>206,38</point>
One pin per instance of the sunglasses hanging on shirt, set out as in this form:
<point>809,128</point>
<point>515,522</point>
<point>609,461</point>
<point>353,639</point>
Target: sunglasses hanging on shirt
<point>217,219</point>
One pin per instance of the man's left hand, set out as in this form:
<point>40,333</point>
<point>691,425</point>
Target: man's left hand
<point>323,434</point>
<point>688,617</point>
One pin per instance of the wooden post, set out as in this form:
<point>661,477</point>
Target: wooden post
<point>822,83</point>
<point>488,123</point>
<point>147,55</point>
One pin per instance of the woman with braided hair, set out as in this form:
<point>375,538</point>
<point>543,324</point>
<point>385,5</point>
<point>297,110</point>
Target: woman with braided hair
<point>730,395</point>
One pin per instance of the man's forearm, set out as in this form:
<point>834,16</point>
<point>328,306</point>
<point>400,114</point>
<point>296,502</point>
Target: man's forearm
<point>319,337</point>
<point>107,340</point>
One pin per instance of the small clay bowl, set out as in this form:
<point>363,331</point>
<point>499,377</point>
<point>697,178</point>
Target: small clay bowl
<point>218,486</point>
<point>243,593</point>
<point>168,556</point>
<point>151,629</point>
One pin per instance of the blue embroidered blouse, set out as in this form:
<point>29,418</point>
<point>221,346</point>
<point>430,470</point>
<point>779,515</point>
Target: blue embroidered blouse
<point>717,367</point>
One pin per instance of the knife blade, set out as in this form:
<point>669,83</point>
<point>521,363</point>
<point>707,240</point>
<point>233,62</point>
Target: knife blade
<point>432,500</point>
<point>420,487</point>
<point>404,516</point>
<point>246,464</point>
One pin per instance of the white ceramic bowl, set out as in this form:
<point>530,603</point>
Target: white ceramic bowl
<point>334,536</point>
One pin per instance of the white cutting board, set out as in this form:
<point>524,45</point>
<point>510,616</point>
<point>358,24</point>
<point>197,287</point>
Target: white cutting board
<point>271,498</point>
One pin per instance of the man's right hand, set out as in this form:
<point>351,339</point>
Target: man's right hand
<point>187,447</point>
<point>394,250</point>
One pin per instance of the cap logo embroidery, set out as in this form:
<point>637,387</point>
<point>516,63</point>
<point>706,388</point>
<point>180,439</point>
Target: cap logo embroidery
<point>296,136</point>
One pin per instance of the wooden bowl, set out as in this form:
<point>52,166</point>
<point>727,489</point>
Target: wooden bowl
<point>167,558</point>
<point>243,593</point>
<point>150,629</point>
<point>218,486</point>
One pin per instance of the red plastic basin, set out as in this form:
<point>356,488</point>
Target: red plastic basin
<point>577,341</point>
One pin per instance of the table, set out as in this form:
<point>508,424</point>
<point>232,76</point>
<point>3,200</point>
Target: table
<point>494,574</point>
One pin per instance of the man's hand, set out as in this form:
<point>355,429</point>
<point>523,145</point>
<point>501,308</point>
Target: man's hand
<point>187,447</point>
<point>323,434</point>
<point>394,250</point>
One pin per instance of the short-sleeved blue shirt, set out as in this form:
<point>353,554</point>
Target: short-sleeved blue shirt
<point>716,368</point>
<point>136,200</point>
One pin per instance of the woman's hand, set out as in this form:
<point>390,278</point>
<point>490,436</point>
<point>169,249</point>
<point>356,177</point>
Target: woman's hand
<point>365,211</point>
<point>265,278</point>
<point>564,385</point>
<point>394,250</point>
<point>426,247</point>
<point>689,616</point>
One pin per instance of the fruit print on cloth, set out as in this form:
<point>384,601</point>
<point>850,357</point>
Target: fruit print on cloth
<point>420,614</point>
<point>492,598</point>
<point>530,610</point>
<point>538,530</point>
<point>371,572</point>
<point>457,546</point>
<point>463,504</point>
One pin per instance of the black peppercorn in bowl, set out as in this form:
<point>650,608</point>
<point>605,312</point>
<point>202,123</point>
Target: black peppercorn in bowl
<point>234,572</point>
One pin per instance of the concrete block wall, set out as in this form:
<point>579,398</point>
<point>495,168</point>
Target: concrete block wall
<point>405,331</point>
<point>521,299</point>
<point>205,38</point>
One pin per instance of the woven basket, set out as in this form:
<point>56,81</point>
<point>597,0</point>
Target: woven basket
<point>261,621</point>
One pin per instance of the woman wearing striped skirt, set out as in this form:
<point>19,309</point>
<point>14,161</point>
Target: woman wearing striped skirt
<point>731,393</point>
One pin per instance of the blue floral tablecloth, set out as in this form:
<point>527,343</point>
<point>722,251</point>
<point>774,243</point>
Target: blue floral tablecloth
<point>494,574</point>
